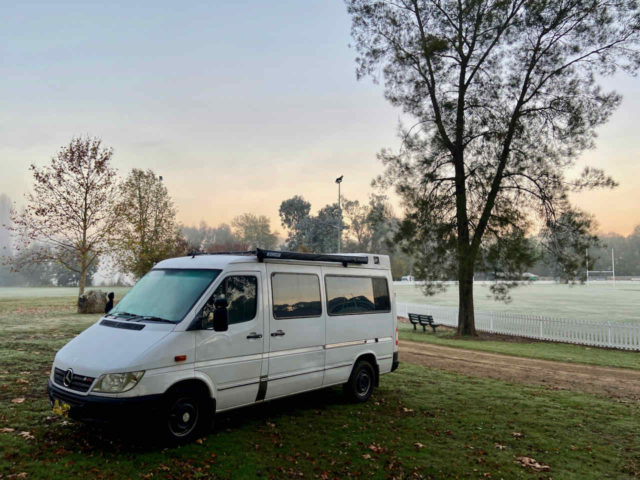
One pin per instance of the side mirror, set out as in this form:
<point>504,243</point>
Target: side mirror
<point>221,315</point>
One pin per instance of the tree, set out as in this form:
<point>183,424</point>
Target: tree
<point>5,225</point>
<point>293,210</point>
<point>505,97</point>
<point>370,226</point>
<point>147,231</point>
<point>204,238</point>
<point>255,231</point>
<point>70,213</point>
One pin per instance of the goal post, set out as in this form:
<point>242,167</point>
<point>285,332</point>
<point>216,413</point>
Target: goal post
<point>601,275</point>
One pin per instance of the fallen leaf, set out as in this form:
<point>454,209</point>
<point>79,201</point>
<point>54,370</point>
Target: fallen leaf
<point>407,410</point>
<point>418,445</point>
<point>500,447</point>
<point>531,463</point>
<point>376,448</point>
<point>26,435</point>
<point>517,434</point>
<point>366,456</point>
<point>22,380</point>
<point>18,400</point>
<point>7,430</point>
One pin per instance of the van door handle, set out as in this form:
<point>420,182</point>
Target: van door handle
<point>254,335</point>
<point>277,333</point>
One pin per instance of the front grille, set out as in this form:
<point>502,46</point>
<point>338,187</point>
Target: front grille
<point>79,383</point>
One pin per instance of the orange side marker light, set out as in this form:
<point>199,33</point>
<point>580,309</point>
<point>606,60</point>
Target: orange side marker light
<point>180,358</point>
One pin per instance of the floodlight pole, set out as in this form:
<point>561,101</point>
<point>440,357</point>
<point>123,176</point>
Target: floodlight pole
<point>339,181</point>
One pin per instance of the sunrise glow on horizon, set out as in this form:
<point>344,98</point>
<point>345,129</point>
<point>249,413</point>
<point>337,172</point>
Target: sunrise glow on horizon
<point>238,107</point>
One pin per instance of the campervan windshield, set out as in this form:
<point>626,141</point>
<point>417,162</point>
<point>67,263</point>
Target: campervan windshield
<point>165,295</point>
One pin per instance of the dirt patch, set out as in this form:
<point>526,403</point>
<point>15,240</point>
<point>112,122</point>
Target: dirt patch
<point>618,383</point>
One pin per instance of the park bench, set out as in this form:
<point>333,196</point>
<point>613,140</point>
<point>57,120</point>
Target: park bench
<point>423,320</point>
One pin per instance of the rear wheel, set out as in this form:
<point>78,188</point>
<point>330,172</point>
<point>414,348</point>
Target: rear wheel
<point>186,416</point>
<point>361,382</point>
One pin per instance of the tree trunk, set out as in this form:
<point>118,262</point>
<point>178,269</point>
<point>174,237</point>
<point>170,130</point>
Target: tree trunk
<point>466,317</point>
<point>83,275</point>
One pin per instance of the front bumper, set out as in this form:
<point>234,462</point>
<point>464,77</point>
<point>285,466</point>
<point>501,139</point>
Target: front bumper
<point>395,363</point>
<point>94,407</point>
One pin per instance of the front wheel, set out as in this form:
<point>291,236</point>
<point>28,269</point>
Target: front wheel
<point>360,385</point>
<point>186,416</point>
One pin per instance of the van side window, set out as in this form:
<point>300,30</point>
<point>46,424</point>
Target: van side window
<point>241,292</point>
<point>348,295</point>
<point>295,295</point>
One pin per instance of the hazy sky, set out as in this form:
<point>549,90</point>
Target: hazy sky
<point>238,104</point>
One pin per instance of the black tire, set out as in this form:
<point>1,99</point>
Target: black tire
<point>361,382</point>
<point>187,415</point>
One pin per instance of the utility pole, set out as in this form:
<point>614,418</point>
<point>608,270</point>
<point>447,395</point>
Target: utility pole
<point>339,181</point>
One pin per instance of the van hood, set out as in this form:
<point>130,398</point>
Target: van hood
<point>103,349</point>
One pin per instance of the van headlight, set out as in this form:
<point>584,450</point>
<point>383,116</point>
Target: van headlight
<point>117,382</point>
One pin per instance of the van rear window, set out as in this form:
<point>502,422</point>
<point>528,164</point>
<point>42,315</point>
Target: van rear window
<point>349,295</point>
<point>295,295</point>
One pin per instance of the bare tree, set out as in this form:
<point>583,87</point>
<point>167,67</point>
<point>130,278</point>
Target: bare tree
<point>69,213</point>
<point>505,96</point>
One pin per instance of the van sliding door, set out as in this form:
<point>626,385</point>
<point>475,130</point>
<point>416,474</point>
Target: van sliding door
<point>296,330</point>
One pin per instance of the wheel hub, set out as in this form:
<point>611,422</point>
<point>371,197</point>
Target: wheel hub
<point>363,382</point>
<point>183,417</point>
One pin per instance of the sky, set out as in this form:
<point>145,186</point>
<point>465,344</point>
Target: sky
<point>237,104</point>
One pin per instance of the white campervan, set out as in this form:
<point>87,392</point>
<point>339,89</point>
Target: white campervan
<point>211,332</point>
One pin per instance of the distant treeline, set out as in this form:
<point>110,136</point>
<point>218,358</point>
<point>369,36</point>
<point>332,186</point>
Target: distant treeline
<point>626,251</point>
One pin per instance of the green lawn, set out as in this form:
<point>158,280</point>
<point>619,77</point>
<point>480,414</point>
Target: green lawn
<point>561,352</point>
<point>598,302</point>
<point>420,423</point>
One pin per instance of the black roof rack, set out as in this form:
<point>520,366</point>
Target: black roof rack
<point>312,257</point>
<point>249,252</point>
<point>281,255</point>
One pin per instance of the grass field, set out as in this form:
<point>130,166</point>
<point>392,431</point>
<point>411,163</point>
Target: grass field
<point>598,302</point>
<point>421,423</point>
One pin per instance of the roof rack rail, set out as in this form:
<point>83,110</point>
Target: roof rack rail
<point>247,252</point>
<point>311,257</point>
<point>282,255</point>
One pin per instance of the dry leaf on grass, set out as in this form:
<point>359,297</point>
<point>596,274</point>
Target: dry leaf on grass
<point>376,448</point>
<point>517,434</point>
<point>26,435</point>
<point>7,430</point>
<point>499,446</point>
<point>529,462</point>
<point>18,400</point>
<point>418,445</point>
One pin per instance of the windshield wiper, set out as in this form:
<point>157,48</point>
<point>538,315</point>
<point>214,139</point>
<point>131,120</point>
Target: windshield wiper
<point>153,319</point>
<point>126,315</point>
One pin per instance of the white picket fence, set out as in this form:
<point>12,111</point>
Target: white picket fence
<point>605,334</point>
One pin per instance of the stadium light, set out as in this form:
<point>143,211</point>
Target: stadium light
<point>339,181</point>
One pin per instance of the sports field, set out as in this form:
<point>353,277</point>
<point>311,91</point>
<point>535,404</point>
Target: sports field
<point>594,302</point>
<point>421,422</point>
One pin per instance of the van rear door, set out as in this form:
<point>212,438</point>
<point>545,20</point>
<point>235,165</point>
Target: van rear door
<point>296,329</point>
